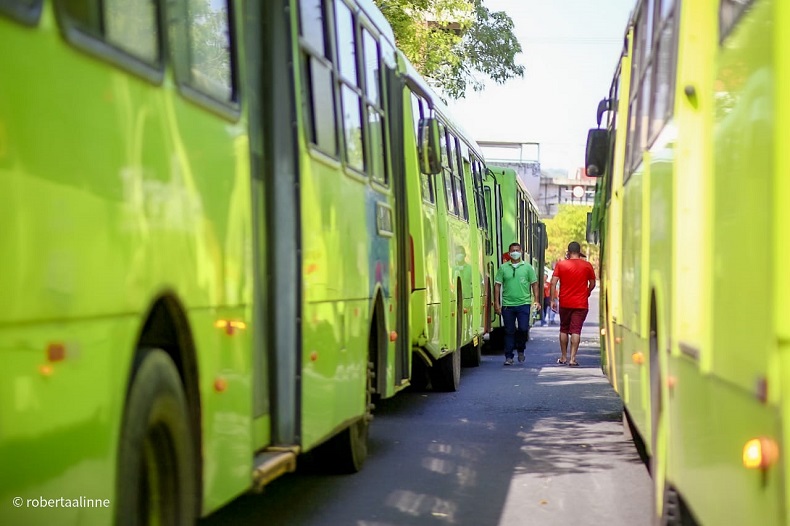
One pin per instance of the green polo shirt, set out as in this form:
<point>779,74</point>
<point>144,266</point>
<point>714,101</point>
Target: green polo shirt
<point>516,283</point>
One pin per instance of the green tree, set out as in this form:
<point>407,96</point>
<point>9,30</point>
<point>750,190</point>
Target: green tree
<point>456,43</point>
<point>570,224</point>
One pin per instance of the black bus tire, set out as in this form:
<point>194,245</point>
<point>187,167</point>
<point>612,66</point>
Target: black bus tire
<point>156,479</point>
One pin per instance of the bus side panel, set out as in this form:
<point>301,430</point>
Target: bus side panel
<point>635,375</point>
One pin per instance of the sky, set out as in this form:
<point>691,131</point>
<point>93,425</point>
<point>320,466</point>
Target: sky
<point>570,51</point>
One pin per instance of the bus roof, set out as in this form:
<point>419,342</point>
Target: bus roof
<point>374,14</point>
<point>519,182</point>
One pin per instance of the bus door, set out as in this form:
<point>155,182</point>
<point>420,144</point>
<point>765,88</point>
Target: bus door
<point>403,249</point>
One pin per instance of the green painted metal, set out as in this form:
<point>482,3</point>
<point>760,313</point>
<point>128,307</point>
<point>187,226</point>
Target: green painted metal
<point>512,226</point>
<point>687,230</point>
<point>141,213</point>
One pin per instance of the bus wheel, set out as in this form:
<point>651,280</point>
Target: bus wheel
<point>346,452</point>
<point>156,481</point>
<point>446,372</point>
<point>472,355</point>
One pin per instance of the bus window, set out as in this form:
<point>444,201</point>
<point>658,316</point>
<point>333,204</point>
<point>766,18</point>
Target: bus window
<point>447,172</point>
<point>489,230</point>
<point>133,27</point>
<point>373,108</point>
<point>209,50</point>
<point>457,171</point>
<point>349,91</point>
<point>419,111</point>
<point>318,88</point>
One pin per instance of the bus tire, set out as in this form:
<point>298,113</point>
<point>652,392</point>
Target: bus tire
<point>156,480</point>
<point>345,453</point>
<point>472,355</point>
<point>446,372</point>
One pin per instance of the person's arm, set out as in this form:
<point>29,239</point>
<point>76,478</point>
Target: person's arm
<point>497,295</point>
<point>553,292</point>
<point>591,281</point>
<point>535,295</point>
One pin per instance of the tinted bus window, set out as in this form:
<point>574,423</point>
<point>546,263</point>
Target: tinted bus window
<point>318,98</point>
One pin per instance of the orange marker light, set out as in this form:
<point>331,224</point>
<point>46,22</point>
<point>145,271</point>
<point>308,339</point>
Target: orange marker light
<point>638,358</point>
<point>618,340</point>
<point>430,319</point>
<point>313,356</point>
<point>393,336</point>
<point>56,352</point>
<point>220,385</point>
<point>760,453</point>
<point>45,370</point>
<point>230,326</point>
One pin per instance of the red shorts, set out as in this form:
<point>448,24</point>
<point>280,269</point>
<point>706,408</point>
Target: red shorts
<point>571,320</point>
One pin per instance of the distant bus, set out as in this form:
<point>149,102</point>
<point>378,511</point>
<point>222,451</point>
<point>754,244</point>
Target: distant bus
<point>219,246</point>
<point>514,218</point>
<point>691,216</point>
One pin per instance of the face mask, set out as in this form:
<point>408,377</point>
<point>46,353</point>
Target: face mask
<point>515,255</point>
<point>459,258</point>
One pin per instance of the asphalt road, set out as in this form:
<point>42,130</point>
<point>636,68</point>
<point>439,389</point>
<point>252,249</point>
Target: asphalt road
<point>532,444</point>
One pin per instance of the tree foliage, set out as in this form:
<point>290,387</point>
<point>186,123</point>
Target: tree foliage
<point>570,224</point>
<point>455,43</point>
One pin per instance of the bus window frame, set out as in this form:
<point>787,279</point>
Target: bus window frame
<point>230,109</point>
<point>664,21</point>
<point>325,58</point>
<point>726,27</point>
<point>381,182</point>
<point>459,178</point>
<point>352,85</point>
<point>28,14</point>
<point>90,41</point>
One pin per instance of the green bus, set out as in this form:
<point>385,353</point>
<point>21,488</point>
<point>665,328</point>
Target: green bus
<point>513,218</point>
<point>691,216</point>
<point>447,232</point>
<point>209,261</point>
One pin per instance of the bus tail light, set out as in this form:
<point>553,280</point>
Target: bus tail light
<point>760,453</point>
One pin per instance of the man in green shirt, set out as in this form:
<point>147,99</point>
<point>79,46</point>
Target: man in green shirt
<point>517,286</point>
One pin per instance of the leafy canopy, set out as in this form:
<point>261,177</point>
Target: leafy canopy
<point>570,224</point>
<point>455,43</point>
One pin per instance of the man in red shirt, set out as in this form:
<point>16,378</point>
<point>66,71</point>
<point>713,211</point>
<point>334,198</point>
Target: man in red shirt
<point>577,281</point>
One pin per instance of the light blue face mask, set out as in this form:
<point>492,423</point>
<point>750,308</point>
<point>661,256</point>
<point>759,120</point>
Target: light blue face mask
<point>515,255</point>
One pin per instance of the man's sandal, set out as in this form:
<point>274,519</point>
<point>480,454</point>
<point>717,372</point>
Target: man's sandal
<point>561,361</point>
<point>573,364</point>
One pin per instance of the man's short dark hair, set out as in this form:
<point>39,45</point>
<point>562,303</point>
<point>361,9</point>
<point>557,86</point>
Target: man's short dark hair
<point>574,248</point>
<point>514,244</point>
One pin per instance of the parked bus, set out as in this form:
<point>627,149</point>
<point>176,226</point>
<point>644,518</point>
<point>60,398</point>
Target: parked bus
<point>207,263</point>
<point>691,216</point>
<point>513,218</point>
<point>448,222</point>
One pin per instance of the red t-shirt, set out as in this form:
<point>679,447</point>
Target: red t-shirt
<point>574,275</point>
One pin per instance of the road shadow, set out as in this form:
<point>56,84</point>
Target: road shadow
<point>451,458</point>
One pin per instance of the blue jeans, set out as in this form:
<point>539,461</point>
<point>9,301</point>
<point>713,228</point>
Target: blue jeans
<point>515,340</point>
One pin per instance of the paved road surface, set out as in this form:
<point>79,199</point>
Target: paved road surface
<point>532,444</point>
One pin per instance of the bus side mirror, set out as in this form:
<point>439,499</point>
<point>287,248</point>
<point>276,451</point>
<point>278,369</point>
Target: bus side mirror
<point>428,147</point>
<point>597,152</point>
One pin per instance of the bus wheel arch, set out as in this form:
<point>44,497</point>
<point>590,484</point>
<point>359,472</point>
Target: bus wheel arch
<point>166,330</point>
